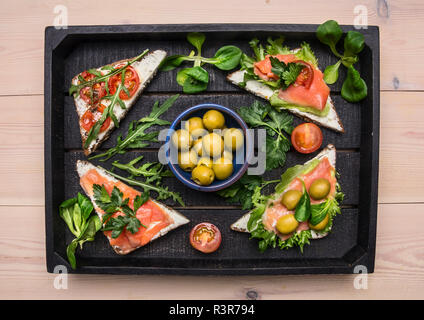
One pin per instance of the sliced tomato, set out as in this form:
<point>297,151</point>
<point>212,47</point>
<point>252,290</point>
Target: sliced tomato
<point>93,94</point>
<point>205,237</point>
<point>306,137</point>
<point>131,82</point>
<point>89,119</point>
<point>306,76</point>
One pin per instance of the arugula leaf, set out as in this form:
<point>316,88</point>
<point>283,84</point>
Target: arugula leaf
<point>163,192</point>
<point>136,132</point>
<point>153,171</point>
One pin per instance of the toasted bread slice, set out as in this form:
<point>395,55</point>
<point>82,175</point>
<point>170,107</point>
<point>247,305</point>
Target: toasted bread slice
<point>331,121</point>
<point>146,69</point>
<point>330,152</point>
<point>177,219</point>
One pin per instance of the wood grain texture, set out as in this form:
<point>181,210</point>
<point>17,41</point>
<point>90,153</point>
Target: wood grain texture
<point>22,39</point>
<point>399,260</point>
<point>399,268</point>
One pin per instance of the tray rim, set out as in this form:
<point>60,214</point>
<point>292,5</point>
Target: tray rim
<point>53,37</point>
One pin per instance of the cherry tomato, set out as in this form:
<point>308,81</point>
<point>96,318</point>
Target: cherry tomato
<point>205,237</point>
<point>93,94</point>
<point>89,119</point>
<point>306,138</point>
<point>131,82</point>
<point>306,76</point>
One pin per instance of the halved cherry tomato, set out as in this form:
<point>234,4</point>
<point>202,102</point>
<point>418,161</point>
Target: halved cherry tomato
<point>93,94</point>
<point>306,138</point>
<point>89,119</point>
<point>205,237</point>
<point>131,82</point>
<point>306,76</point>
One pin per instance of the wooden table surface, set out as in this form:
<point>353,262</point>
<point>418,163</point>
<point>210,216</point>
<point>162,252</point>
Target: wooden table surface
<point>399,269</point>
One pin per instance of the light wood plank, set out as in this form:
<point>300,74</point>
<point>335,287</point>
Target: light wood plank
<point>22,24</point>
<point>399,269</point>
<point>401,149</point>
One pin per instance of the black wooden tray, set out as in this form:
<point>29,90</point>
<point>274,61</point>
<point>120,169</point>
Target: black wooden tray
<point>352,242</point>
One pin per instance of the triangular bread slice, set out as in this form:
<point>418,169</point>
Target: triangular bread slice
<point>330,152</point>
<point>83,167</point>
<point>146,69</point>
<point>331,121</point>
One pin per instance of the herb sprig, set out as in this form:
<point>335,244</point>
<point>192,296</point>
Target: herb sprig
<point>137,136</point>
<point>354,88</point>
<point>287,73</point>
<point>196,78</point>
<point>243,190</point>
<point>112,98</point>
<point>163,192</point>
<point>76,212</point>
<point>275,122</point>
<point>115,202</point>
<point>152,171</point>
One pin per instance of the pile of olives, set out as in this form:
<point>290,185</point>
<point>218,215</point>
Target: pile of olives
<point>318,190</point>
<point>205,147</point>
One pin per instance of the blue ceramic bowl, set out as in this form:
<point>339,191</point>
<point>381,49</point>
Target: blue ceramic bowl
<point>232,120</point>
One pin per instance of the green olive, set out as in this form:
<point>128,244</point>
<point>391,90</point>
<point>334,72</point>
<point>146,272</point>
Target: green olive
<point>212,145</point>
<point>182,139</point>
<point>291,198</point>
<point>193,124</point>
<point>187,160</point>
<point>319,188</point>
<point>223,168</point>
<point>205,161</point>
<point>197,146</point>
<point>233,139</point>
<point>213,120</point>
<point>287,224</point>
<point>320,226</point>
<point>227,154</point>
<point>203,175</point>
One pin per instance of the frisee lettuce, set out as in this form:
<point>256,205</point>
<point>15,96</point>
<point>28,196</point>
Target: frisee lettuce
<point>298,239</point>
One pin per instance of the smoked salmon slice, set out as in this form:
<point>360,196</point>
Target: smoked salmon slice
<point>156,218</point>
<point>315,96</point>
<point>325,168</point>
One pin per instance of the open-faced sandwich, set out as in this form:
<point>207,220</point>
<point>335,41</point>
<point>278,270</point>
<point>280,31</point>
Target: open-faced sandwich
<point>131,219</point>
<point>288,79</point>
<point>302,207</point>
<point>103,96</point>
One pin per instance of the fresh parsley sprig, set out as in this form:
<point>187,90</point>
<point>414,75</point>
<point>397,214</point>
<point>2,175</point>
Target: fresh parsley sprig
<point>260,115</point>
<point>287,73</point>
<point>115,202</point>
<point>243,191</point>
<point>137,136</point>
